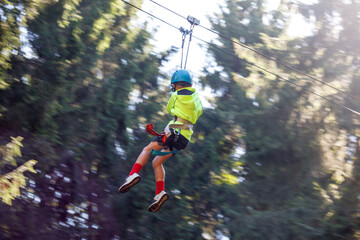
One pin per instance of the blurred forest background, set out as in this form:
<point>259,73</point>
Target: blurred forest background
<point>269,158</point>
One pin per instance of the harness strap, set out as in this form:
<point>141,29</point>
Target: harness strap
<point>159,153</point>
<point>150,129</point>
<point>186,125</point>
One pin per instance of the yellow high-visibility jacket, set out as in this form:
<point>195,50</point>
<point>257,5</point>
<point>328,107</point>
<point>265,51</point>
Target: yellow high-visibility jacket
<point>186,104</point>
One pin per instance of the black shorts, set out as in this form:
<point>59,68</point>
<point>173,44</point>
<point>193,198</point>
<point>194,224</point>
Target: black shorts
<point>173,142</point>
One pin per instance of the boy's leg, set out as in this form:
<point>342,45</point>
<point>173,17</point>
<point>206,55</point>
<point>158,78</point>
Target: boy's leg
<point>134,177</point>
<point>158,166</point>
<point>160,195</point>
<point>145,153</point>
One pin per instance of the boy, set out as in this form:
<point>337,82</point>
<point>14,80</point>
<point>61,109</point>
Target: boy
<point>186,107</point>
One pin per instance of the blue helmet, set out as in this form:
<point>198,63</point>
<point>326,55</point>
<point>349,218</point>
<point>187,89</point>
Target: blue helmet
<point>181,75</point>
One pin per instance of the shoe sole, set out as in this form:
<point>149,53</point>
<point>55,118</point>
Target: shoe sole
<point>126,187</point>
<point>156,206</point>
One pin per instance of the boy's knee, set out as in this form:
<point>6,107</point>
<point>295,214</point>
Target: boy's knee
<point>155,163</point>
<point>147,149</point>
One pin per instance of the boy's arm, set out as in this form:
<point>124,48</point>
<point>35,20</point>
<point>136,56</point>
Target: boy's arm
<point>171,103</point>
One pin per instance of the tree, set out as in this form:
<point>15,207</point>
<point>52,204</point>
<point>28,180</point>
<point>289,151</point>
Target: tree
<point>72,100</point>
<point>283,128</point>
<point>11,182</point>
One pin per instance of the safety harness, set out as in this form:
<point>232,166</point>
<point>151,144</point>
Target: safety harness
<point>165,134</point>
<point>150,129</point>
<point>186,125</point>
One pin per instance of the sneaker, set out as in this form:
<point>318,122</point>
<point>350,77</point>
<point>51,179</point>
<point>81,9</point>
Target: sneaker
<point>158,201</point>
<point>129,182</point>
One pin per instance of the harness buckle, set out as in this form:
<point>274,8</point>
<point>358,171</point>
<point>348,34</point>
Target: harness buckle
<point>177,135</point>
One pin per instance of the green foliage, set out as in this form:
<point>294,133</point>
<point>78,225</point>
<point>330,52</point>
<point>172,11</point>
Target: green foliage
<point>11,151</point>
<point>11,182</point>
<point>267,161</point>
<point>285,152</point>
<point>9,38</point>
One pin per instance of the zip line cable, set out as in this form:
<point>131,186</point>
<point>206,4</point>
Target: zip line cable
<point>237,57</point>
<point>185,32</point>
<point>179,15</point>
<point>132,5</point>
<point>280,77</point>
<point>265,56</point>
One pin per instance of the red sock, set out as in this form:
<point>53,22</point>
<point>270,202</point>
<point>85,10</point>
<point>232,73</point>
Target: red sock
<point>136,168</point>
<point>160,186</point>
